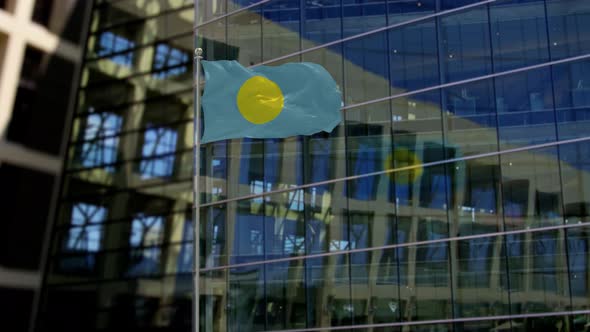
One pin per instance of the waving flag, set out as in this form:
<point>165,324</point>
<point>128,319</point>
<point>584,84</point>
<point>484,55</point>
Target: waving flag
<point>268,102</point>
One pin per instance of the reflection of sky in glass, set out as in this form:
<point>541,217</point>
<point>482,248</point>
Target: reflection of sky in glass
<point>111,43</point>
<point>96,150</point>
<point>158,141</point>
<point>166,57</point>
<point>86,230</point>
<point>146,231</point>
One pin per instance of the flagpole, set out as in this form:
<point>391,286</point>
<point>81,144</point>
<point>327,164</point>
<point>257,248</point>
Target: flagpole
<point>196,190</point>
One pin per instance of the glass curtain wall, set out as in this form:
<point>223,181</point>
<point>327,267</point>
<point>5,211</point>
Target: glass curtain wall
<point>486,105</point>
<point>476,114</point>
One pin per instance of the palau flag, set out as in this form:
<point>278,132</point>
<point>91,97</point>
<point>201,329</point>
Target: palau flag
<point>268,102</point>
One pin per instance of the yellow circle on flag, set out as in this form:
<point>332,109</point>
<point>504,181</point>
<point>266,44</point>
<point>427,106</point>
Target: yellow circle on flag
<point>260,100</point>
<point>402,157</point>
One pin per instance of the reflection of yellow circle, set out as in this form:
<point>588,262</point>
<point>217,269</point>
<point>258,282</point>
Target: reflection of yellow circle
<point>402,157</point>
<point>260,100</point>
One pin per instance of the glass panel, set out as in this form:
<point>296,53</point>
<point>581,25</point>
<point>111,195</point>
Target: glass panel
<point>328,290</point>
<point>531,189</point>
<point>244,32</point>
<point>413,57</point>
<point>209,9</point>
<point>213,40</point>
<point>465,45</point>
<point>478,273</point>
<point>400,11</point>
<point>362,15</point>
<point>246,302</point>
<point>280,28</point>
<point>569,23</point>
<point>331,59</point>
<point>470,119</point>
<point>323,22</point>
<point>572,98</point>
<point>365,69</point>
<point>214,301</point>
<point>525,109</point>
<point>417,128</point>
<point>476,196</point>
<point>285,294</point>
<point>427,295</point>
<point>369,148</point>
<point>537,272</point>
<point>575,165</point>
<point>519,34</point>
<point>578,251</point>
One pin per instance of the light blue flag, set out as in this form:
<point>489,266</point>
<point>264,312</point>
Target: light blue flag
<point>268,102</point>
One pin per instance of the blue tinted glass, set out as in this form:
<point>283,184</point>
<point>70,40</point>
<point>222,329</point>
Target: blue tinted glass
<point>525,108</point>
<point>413,57</point>
<point>471,118</point>
<point>465,45</point>
<point>369,146</point>
<point>477,195</point>
<point>404,10</point>
<point>519,34</point>
<point>362,15</point>
<point>450,4</point>
<point>546,270</point>
<point>572,98</point>
<point>366,73</point>
<point>280,28</point>
<point>323,22</point>
<point>569,28</point>
<point>578,251</point>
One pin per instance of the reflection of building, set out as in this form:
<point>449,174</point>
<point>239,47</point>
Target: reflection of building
<point>475,240</point>
<point>40,55</point>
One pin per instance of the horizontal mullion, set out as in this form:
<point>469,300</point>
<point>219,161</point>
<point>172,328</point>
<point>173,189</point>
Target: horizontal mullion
<point>396,246</point>
<point>440,321</point>
<point>74,143</point>
<point>110,108</point>
<point>93,85</point>
<point>109,190</point>
<point>139,46</point>
<point>138,20</point>
<point>396,170</point>
<point>127,161</point>
<point>123,220</point>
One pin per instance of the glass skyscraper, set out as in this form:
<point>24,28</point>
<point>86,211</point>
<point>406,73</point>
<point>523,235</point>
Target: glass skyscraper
<point>455,196</point>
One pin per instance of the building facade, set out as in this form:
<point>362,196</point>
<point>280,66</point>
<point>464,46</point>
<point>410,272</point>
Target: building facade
<point>40,56</point>
<point>454,196</point>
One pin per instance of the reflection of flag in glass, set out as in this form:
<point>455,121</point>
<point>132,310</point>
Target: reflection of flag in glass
<point>268,102</point>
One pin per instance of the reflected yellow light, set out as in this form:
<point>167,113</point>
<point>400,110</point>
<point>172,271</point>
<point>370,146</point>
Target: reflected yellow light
<point>400,158</point>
